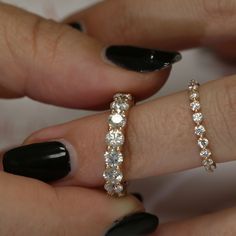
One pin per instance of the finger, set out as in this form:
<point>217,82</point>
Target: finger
<point>159,139</point>
<point>30,207</point>
<point>166,24</point>
<point>56,64</point>
<point>218,224</point>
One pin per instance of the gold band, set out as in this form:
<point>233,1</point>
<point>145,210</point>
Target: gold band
<point>115,139</point>
<point>200,130</point>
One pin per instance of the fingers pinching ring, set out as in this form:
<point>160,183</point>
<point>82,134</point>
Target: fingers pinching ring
<point>115,184</point>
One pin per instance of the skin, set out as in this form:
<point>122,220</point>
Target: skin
<point>42,75</point>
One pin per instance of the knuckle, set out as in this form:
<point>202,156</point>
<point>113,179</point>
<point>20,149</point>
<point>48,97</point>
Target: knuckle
<point>47,36</point>
<point>218,9</point>
<point>225,97</point>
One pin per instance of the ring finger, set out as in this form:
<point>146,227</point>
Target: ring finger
<point>160,139</point>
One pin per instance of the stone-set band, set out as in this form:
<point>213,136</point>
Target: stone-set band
<point>115,139</point>
<point>200,130</point>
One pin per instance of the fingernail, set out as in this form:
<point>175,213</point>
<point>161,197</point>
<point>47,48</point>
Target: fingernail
<point>138,196</point>
<point>141,59</point>
<point>76,25</point>
<point>134,225</point>
<point>47,161</point>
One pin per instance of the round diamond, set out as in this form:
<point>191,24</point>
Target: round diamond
<point>115,138</point>
<point>197,117</point>
<point>118,188</point>
<point>194,95</point>
<point>203,142</point>
<point>199,130</point>
<point>113,175</point>
<point>195,105</point>
<point>109,188</point>
<point>193,85</point>
<point>113,188</point>
<point>117,120</point>
<point>123,96</point>
<point>205,153</point>
<point>119,106</point>
<point>113,158</point>
<point>209,164</point>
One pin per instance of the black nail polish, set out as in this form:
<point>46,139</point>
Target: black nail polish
<point>47,161</point>
<point>134,225</point>
<point>141,59</point>
<point>76,25</point>
<point>138,196</point>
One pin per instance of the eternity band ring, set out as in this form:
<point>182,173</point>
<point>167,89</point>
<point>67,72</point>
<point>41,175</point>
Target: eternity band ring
<point>200,131</point>
<point>115,185</point>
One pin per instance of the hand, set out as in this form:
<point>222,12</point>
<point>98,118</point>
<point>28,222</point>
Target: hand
<point>148,123</point>
<point>56,64</point>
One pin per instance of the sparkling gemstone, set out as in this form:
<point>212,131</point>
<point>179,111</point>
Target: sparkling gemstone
<point>118,188</point>
<point>194,95</point>
<point>119,106</point>
<point>113,158</point>
<point>193,85</point>
<point>195,105</point>
<point>115,138</point>
<point>123,96</point>
<point>117,120</point>
<point>209,164</point>
<point>113,175</point>
<point>205,153</point>
<point>113,188</point>
<point>199,130</point>
<point>197,117</point>
<point>203,142</point>
<point>109,188</point>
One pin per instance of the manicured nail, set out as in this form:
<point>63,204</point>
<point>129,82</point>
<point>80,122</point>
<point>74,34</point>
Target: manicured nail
<point>134,225</point>
<point>141,59</point>
<point>77,25</point>
<point>138,196</point>
<point>47,161</point>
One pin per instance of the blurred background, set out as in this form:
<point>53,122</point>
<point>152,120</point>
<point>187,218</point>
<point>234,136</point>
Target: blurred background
<point>172,197</point>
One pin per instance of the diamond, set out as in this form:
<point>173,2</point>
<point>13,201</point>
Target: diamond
<point>118,188</point>
<point>113,188</point>
<point>113,158</point>
<point>117,120</point>
<point>197,117</point>
<point>123,96</point>
<point>203,142</point>
<point>193,85</point>
<point>195,105</point>
<point>199,130</point>
<point>115,138</point>
<point>209,164</point>
<point>119,106</point>
<point>205,153</point>
<point>194,95</point>
<point>113,175</point>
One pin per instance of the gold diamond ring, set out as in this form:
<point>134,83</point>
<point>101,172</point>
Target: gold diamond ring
<point>200,130</point>
<point>115,139</point>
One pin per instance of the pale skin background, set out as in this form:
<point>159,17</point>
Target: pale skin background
<point>173,195</point>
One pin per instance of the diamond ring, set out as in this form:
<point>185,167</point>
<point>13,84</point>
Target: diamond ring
<point>200,130</point>
<point>115,139</point>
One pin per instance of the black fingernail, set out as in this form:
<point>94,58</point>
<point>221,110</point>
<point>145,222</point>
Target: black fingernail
<point>134,225</point>
<point>47,161</point>
<point>141,59</point>
<point>76,25</point>
<point>138,196</point>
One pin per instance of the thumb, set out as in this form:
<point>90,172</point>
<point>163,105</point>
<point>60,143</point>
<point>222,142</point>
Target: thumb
<point>56,64</point>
